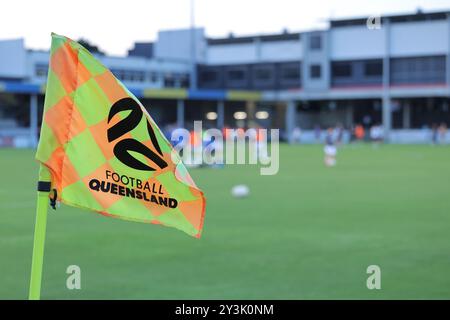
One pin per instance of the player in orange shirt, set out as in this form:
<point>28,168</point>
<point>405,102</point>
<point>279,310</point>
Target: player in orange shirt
<point>359,132</point>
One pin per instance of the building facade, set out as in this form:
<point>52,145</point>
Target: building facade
<point>394,72</point>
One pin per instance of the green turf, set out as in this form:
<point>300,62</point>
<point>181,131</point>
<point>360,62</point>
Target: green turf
<point>308,232</point>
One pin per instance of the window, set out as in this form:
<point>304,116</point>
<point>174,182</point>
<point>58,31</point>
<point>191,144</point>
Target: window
<point>263,74</point>
<point>356,72</point>
<point>208,76</point>
<point>184,81</point>
<point>290,73</point>
<point>315,42</point>
<point>119,74</point>
<point>315,71</point>
<point>236,75</point>
<point>342,70</point>
<point>429,69</point>
<point>373,69</point>
<point>169,81</point>
<point>139,76</point>
<point>154,77</point>
<point>41,70</point>
<point>127,75</point>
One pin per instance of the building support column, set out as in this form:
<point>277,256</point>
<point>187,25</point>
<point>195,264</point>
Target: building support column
<point>250,109</point>
<point>180,113</point>
<point>33,120</point>
<point>349,116</point>
<point>406,115</point>
<point>220,114</point>
<point>386,96</point>
<point>447,57</point>
<point>386,116</point>
<point>290,119</point>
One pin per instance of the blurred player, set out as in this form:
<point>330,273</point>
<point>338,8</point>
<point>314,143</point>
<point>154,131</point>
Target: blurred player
<point>376,135</point>
<point>296,135</point>
<point>330,149</point>
<point>359,133</point>
<point>434,134</point>
<point>339,134</point>
<point>317,132</point>
<point>442,133</point>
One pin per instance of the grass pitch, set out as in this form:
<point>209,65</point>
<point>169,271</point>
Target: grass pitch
<point>308,232</point>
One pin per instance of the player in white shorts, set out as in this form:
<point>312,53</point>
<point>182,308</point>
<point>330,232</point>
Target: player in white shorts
<point>330,149</point>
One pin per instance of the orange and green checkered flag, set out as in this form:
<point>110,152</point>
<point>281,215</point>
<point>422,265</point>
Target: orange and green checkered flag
<point>103,150</point>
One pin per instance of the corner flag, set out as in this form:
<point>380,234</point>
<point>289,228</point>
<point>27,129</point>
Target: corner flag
<point>100,150</point>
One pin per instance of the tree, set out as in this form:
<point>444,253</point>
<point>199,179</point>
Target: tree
<point>90,47</point>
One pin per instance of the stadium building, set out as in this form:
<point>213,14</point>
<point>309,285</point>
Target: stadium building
<point>393,70</point>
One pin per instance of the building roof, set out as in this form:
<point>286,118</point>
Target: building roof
<point>284,36</point>
<point>418,16</point>
<point>334,23</point>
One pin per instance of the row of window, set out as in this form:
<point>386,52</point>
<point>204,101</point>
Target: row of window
<point>250,76</point>
<point>413,70</point>
<point>170,80</point>
<point>431,69</point>
<point>131,75</point>
<point>418,70</point>
<point>362,72</point>
<point>346,69</point>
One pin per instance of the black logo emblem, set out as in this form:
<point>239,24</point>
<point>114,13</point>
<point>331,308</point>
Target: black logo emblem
<point>123,147</point>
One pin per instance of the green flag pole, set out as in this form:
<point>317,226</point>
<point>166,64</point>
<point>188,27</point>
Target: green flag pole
<point>39,233</point>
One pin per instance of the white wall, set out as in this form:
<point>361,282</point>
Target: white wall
<point>406,136</point>
<point>254,52</point>
<point>33,58</point>
<point>419,38</point>
<point>13,59</point>
<point>127,63</point>
<point>356,42</point>
<point>413,136</point>
<point>143,64</point>
<point>232,53</point>
<point>176,44</point>
<point>281,51</point>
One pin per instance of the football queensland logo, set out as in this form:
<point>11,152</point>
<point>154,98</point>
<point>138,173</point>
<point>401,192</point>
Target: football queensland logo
<point>123,147</point>
<point>127,150</point>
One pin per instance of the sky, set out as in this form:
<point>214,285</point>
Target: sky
<point>115,25</point>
